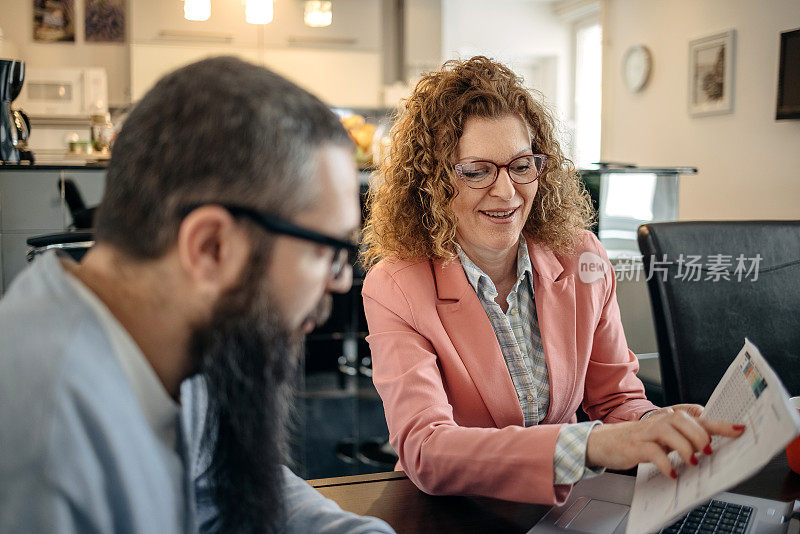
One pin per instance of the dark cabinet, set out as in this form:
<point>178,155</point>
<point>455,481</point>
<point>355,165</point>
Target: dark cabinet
<point>341,429</point>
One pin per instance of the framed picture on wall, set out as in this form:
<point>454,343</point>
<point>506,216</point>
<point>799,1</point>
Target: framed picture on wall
<point>711,79</point>
<point>53,20</point>
<point>105,21</point>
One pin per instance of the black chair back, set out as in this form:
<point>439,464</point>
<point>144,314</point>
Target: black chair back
<point>76,244</point>
<point>82,217</point>
<point>711,285</point>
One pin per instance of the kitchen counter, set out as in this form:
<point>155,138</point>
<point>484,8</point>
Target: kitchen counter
<point>633,169</point>
<point>54,166</point>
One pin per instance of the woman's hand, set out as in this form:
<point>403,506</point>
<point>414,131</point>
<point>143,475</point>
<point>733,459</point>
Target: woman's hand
<point>692,409</point>
<point>625,445</point>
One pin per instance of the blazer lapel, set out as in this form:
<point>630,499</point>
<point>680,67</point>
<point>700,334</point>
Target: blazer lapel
<point>473,337</point>
<point>555,308</point>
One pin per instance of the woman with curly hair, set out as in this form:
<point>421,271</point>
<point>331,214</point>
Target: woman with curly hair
<point>492,310</point>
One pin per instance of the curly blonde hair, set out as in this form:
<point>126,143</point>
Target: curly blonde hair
<point>410,213</point>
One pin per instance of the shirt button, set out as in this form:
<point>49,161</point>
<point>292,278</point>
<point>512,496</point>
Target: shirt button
<point>529,397</point>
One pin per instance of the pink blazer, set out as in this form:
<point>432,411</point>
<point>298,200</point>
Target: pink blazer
<point>451,407</point>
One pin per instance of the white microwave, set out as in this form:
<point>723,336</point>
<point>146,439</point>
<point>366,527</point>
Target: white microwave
<point>64,92</point>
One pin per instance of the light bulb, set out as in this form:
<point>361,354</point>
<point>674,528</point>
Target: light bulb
<point>196,9</point>
<point>259,11</point>
<point>318,14</point>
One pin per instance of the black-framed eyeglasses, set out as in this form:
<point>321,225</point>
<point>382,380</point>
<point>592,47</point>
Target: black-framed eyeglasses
<point>481,174</point>
<point>345,252</point>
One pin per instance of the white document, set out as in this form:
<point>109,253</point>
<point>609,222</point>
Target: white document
<point>749,393</point>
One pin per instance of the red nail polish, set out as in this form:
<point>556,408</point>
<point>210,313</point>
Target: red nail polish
<point>707,449</point>
<point>738,427</point>
<point>673,474</point>
<point>693,460</point>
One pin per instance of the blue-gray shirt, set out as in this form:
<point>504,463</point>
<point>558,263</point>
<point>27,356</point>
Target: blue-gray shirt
<point>306,509</point>
<point>78,453</point>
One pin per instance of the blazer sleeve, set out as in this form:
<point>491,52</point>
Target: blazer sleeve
<point>442,458</point>
<point>613,393</point>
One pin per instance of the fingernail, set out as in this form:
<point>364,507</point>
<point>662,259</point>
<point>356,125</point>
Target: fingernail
<point>738,427</point>
<point>693,459</point>
<point>673,474</point>
<point>707,449</point>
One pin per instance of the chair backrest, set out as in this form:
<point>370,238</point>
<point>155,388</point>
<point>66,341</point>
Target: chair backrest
<point>76,244</point>
<point>711,285</point>
<point>82,217</point>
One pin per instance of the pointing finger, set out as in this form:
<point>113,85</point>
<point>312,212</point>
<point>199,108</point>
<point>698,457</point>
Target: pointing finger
<point>721,428</point>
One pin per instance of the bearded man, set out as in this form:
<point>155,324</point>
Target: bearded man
<point>145,389</point>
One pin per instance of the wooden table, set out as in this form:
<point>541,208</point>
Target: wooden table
<point>394,498</point>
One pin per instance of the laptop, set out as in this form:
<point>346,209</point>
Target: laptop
<point>600,505</point>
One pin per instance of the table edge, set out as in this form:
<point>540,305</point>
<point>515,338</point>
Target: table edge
<point>356,479</point>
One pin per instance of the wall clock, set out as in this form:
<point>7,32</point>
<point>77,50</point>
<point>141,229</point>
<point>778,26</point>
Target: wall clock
<point>636,66</point>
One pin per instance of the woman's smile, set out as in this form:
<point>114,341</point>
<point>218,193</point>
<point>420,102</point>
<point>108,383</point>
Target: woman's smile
<point>500,216</point>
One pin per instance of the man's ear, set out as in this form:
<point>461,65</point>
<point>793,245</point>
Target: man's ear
<point>212,249</point>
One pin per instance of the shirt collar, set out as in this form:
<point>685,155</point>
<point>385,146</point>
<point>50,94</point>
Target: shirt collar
<point>160,410</point>
<point>481,282</point>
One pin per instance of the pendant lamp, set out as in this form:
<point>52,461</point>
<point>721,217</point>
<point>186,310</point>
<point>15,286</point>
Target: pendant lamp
<point>318,14</point>
<point>259,11</point>
<point>196,9</point>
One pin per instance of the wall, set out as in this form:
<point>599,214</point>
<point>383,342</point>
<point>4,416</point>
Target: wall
<point>516,32</point>
<point>8,48</point>
<point>748,162</point>
<point>16,19</point>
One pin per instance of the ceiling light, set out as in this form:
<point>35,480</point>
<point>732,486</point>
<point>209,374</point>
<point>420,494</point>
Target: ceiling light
<point>196,9</point>
<point>259,11</point>
<point>318,14</point>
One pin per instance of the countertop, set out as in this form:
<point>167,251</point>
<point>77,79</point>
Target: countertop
<point>52,167</point>
<point>633,169</point>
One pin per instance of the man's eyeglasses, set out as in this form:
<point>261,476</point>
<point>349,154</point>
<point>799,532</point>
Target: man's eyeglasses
<point>345,252</point>
<point>483,173</point>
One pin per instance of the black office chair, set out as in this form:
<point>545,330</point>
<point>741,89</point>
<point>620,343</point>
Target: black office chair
<point>82,217</point>
<point>76,244</point>
<point>79,239</point>
<point>701,319</point>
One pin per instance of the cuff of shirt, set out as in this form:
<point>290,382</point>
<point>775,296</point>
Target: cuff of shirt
<point>645,415</point>
<point>569,462</point>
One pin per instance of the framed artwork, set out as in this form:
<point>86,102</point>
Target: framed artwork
<point>105,21</point>
<point>53,20</point>
<point>711,79</point>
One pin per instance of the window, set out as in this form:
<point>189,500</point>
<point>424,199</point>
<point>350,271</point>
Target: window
<point>588,39</point>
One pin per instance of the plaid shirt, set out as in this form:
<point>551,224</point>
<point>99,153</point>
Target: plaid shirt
<point>520,342</point>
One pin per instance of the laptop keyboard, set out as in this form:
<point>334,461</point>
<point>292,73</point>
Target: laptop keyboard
<point>712,518</point>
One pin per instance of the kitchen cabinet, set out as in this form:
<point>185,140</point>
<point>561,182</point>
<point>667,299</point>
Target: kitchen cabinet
<point>340,418</point>
<point>341,63</point>
<point>344,78</point>
<point>422,37</point>
<point>356,23</point>
<point>339,413</point>
<point>32,203</point>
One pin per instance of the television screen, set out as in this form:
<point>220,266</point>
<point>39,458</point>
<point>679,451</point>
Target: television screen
<point>789,76</point>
